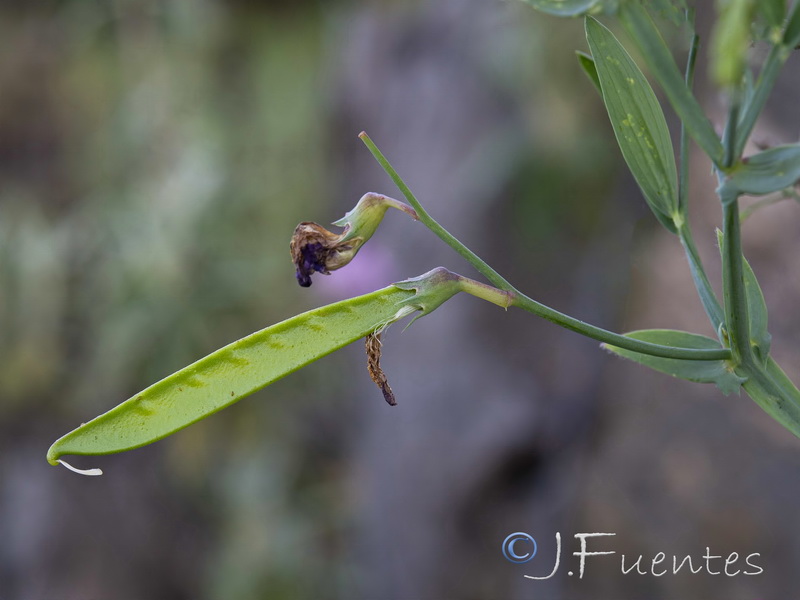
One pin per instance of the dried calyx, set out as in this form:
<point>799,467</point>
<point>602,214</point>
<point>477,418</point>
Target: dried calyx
<point>431,290</point>
<point>373,347</point>
<point>314,249</point>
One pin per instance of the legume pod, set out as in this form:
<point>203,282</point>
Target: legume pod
<point>229,374</point>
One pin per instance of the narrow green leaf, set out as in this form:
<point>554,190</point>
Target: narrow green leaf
<point>563,8</point>
<point>638,122</point>
<point>767,76</point>
<point>707,296</point>
<point>766,172</point>
<point>659,59</point>
<point>748,89</point>
<point>230,374</point>
<point>701,371</point>
<point>587,63</point>
<point>775,393</point>
<point>760,338</point>
<point>782,380</point>
<point>791,36</point>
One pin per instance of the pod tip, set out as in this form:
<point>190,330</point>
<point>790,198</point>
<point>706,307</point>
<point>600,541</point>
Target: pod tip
<point>89,472</point>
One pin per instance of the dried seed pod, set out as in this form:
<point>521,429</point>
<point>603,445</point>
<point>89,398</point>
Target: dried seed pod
<point>373,346</point>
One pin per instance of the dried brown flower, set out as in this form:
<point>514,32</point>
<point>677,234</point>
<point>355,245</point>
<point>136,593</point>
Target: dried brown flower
<point>373,346</point>
<point>314,249</point>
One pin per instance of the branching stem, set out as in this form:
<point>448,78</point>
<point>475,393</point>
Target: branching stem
<point>524,302</point>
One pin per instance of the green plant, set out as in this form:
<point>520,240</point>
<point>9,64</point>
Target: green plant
<point>738,358</point>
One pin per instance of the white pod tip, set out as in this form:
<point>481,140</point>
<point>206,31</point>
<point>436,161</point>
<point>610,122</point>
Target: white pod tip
<point>88,472</point>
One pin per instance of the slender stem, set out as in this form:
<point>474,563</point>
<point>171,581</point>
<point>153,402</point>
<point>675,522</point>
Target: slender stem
<point>766,383</point>
<point>777,57</point>
<point>701,282</point>
<point>683,177</point>
<point>729,136</point>
<point>502,298</point>
<point>766,80</point>
<point>429,222</point>
<point>522,301</point>
<point>736,315</point>
<point>746,213</point>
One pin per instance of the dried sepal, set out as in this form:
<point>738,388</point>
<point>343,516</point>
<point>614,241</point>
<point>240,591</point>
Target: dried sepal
<point>373,347</point>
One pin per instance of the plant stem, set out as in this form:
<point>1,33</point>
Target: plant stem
<point>766,383</point>
<point>736,315</point>
<point>683,176</point>
<point>429,222</point>
<point>522,301</point>
<point>767,201</point>
<point>701,282</point>
<point>707,296</point>
<point>766,80</point>
<point>614,339</point>
<point>729,136</point>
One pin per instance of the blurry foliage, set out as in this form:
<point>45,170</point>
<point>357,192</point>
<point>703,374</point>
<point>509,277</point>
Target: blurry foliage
<point>152,157</point>
<point>177,149</point>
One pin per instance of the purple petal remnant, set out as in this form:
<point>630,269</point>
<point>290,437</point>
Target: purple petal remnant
<point>314,249</point>
<point>312,259</point>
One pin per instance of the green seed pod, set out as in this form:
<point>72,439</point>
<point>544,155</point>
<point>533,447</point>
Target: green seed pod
<point>231,373</point>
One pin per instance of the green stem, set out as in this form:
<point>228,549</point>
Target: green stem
<point>522,301</point>
<point>766,81</point>
<point>729,136</point>
<point>701,282</point>
<point>614,339</point>
<point>429,222</point>
<point>502,298</point>
<point>683,178</point>
<point>746,213</point>
<point>736,315</point>
<point>766,383</point>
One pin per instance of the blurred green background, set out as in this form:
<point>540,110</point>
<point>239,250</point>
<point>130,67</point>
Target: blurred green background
<point>155,157</point>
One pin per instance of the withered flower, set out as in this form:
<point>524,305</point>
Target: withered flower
<point>314,249</point>
<point>431,290</point>
<point>373,347</point>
